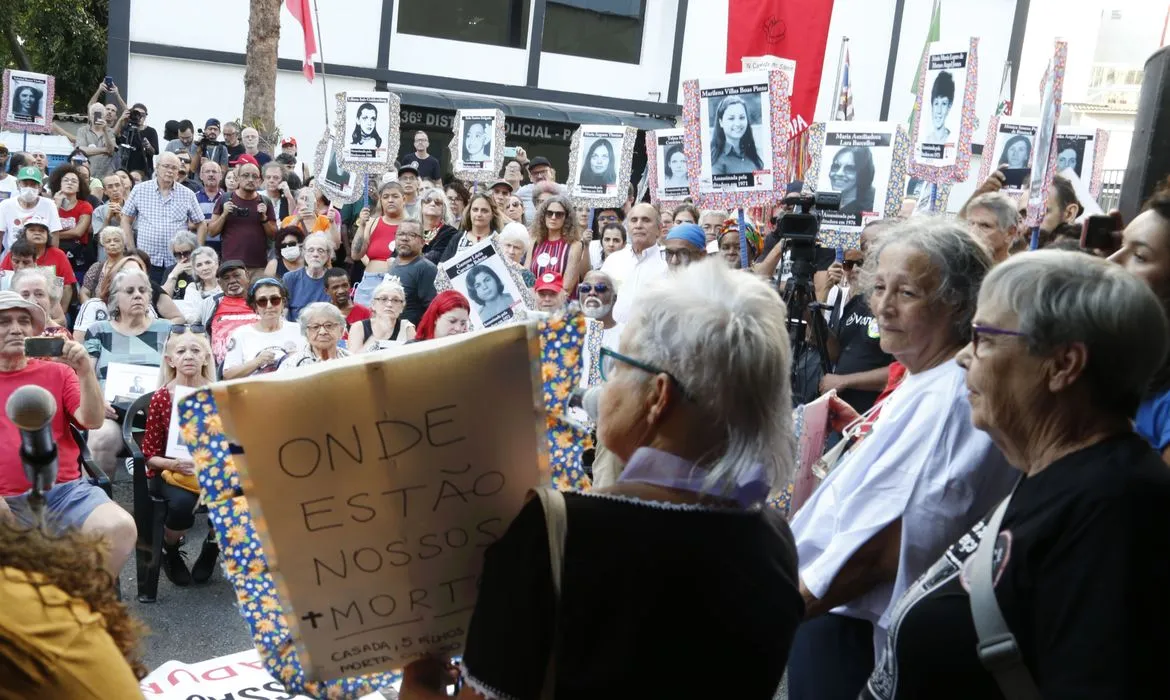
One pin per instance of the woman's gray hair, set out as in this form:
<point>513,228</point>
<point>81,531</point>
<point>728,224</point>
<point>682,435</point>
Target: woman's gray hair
<point>184,238</point>
<point>389,284</point>
<point>1003,207</point>
<point>53,287</point>
<point>316,310</point>
<point>428,192</point>
<point>722,334</point>
<point>200,252</point>
<point>1060,297</point>
<point>960,260</point>
<point>111,230</point>
<point>115,293</point>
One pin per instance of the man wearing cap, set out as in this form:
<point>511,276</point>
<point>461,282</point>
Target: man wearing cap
<point>36,233</point>
<point>72,502</point>
<point>7,182</point>
<point>156,209</point>
<point>638,264</point>
<point>223,313</point>
<point>211,148</point>
<point>421,160</point>
<point>550,292</point>
<point>501,191</point>
<point>408,178</point>
<point>539,170</point>
<point>685,244</point>
<point>27,203</point>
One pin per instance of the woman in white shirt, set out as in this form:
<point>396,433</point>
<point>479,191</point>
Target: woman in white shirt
<point>916,482</point>
<point>259,347</point>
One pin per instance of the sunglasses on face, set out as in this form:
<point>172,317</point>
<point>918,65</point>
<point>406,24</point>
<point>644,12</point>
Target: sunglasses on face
<point>600,288</point>
<point>850,264</point>
<point>265,302</point>
<point>432,200</point>
<point>555,214</point>
<point>181,254</point>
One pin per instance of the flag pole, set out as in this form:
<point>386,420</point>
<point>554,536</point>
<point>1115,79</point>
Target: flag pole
<point>840,76</point>
<point>321,53</point>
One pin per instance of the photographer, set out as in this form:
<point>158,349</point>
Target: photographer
<point>209,147</point>
<point>137,142</point>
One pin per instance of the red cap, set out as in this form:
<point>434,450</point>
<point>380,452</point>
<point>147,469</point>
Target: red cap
<point>550,281</point>
<point>288,141</point>
<point>245,158</point>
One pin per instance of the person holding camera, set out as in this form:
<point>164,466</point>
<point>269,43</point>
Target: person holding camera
<point>209,147</point>
<point>246,220</point>
<point>137,142</point>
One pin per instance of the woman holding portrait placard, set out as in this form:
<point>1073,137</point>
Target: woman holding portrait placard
<point>187,364</point>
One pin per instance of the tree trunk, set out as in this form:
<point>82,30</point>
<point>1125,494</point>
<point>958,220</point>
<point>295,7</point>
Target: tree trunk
<point>14,46</point>
<point>260,71</point>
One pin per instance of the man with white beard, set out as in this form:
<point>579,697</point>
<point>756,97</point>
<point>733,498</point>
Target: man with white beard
<point>598,295</point>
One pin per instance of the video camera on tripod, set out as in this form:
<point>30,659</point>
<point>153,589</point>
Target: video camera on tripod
<point>798,232</point>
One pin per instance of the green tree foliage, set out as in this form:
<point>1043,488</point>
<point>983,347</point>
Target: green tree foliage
<point>64,38</point>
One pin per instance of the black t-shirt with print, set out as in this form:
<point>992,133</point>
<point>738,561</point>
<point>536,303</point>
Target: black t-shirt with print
<point>861,350</point>
<point>1082,574</point>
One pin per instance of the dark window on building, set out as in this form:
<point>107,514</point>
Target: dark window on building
<point>494,22</point>
<point>609,30</point>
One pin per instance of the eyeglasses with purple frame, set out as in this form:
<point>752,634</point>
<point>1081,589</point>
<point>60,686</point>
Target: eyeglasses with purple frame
<point>978,330</point>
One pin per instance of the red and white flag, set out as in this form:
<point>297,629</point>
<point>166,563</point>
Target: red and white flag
<point>302,12</point>
<point>793,29</point>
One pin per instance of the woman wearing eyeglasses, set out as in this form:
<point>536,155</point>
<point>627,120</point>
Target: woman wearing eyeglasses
<point>385,327</point>
<point>181,273</point>
<point>132,336</point>
<point>323,326</point>
<point>437,220</point>
<point>258,347</point>
<point>916,481</point>
<point>187,364</point>
<point>696,403</point>
<point>556,242</point>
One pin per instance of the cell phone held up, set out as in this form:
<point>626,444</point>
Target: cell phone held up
<point>44,347</point>
<point>1099,232</point>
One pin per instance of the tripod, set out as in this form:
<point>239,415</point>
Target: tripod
<point>805,319</point>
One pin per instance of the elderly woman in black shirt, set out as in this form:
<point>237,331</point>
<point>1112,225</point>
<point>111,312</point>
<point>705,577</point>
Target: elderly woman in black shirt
<point>1063,347</point>
<point>676,582</point>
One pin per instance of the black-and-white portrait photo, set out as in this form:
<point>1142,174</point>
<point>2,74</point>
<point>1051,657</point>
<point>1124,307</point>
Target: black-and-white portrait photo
<point>735,133</point>
<point>941,114</point>
<point>596,162</point>
<point>29,102</point>
<point>1015,140</point>
<point>481,274</point>
<point>599,166</point>
<point>856,163</point>
<point>367,127</point>
<point>487,290</point>
<point>336,175</point>
<point>1073,151</point>
<point>671,174</point>
<point>477,142</point>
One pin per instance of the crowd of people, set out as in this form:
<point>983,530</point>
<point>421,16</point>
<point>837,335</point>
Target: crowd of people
<point>963,372</point>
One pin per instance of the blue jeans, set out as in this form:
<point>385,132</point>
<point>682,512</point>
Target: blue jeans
<point>365,289</point>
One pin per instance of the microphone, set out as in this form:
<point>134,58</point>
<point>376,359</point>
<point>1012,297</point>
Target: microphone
<point>32,409</point>
<point>588,400</point>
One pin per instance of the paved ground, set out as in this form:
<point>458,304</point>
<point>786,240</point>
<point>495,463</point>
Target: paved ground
<point>187,624</point>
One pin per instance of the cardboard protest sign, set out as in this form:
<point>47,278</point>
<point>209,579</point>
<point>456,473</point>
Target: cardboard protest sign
<point>375,507</point>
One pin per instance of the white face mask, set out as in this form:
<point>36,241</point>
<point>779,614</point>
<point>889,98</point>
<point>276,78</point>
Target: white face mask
<point>291,253</point>
<point>28,195</point>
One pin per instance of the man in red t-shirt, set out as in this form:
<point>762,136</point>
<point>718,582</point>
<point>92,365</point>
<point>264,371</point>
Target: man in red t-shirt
<point>338,287</point>
<point>226,312</point>
<point>73,502</point>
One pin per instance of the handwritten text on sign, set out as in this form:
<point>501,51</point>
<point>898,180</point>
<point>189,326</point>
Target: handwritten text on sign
<point>377,483</point>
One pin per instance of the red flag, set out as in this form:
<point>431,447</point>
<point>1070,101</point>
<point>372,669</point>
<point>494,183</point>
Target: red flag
<point>795,29</point>
<point>302,13</point>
